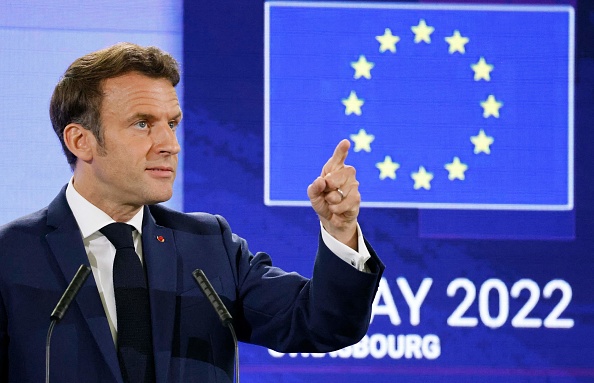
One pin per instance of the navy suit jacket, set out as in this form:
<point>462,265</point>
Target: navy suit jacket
<point>40,253</point>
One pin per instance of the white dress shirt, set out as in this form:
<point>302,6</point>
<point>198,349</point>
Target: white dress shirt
<point>101,252</point>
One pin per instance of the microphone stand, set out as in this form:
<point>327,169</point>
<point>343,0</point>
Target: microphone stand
<point>69,294</point>
<point>219,307</point>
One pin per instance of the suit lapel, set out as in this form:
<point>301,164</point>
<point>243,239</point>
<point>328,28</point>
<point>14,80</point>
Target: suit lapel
<point>159,252</point>
<point>68,249</point>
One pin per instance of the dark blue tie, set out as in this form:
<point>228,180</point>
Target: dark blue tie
<point>135,344</point>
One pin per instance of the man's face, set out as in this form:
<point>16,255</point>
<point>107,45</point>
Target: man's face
<point>138,161</point>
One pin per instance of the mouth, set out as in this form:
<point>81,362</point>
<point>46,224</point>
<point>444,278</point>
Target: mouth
<point>161,171</point>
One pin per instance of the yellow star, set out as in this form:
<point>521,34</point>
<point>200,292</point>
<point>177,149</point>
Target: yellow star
<point>362,68</point>
<point>422,179</point>
<point>352,104</point>
<point>491,107</point>
<point>482,142</point>
<point>362,141</point>
<point>456,169</point>
<point>387,168</point>
<point>457,42</point>
<point>482,70</point>
<point>422,32</point>
<point>387,41</point>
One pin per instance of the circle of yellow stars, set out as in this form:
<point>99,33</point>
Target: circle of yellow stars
<point>353,105</point>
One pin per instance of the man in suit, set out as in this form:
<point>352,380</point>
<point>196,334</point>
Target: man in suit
<point>115,112</point>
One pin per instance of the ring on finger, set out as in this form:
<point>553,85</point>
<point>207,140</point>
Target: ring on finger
<point>341,193</point>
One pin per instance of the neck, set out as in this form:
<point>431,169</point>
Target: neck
<point>119,212</point>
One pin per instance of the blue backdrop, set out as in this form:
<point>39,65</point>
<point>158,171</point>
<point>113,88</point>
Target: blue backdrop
<point>472,293</point>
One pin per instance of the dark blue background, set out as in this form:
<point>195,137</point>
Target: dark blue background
<point>224,169</point>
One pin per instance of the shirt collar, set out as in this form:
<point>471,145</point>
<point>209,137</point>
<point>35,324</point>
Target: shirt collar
<point>89,217</point>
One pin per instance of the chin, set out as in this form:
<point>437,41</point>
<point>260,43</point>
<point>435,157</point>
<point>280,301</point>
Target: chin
<point>158,198</point>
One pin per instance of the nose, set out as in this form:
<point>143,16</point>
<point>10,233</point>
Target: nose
<point>165,139</point>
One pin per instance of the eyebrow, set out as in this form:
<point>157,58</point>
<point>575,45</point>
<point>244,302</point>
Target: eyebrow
<point>148,116</point>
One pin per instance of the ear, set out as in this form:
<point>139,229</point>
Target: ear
<point>79,141</point>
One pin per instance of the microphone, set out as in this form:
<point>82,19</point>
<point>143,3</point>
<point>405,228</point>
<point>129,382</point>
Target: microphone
<point>69,294</point>
<point>221,310</point>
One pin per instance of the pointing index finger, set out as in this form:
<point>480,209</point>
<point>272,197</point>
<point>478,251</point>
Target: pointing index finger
<point>338,157</point>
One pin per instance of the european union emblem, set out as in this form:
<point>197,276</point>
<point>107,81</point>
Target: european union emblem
<point>446,106</point>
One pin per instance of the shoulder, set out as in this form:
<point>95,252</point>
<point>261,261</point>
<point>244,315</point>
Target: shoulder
<point>197,223</point>
<point>42,221</point>
<point>31,223</point>
<point>23,238</point>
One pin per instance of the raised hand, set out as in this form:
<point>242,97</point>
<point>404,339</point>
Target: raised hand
<point>335,197</point>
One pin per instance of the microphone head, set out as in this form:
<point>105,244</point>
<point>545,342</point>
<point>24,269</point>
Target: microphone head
<point>70,293</point>
<point>212,296</point>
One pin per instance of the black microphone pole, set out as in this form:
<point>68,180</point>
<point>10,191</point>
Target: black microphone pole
<point>219,307</point>
<point>69,294</point>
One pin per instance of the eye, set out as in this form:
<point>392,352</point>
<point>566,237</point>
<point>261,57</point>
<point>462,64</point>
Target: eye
<point>173,124</point>
<point>142,124</point>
